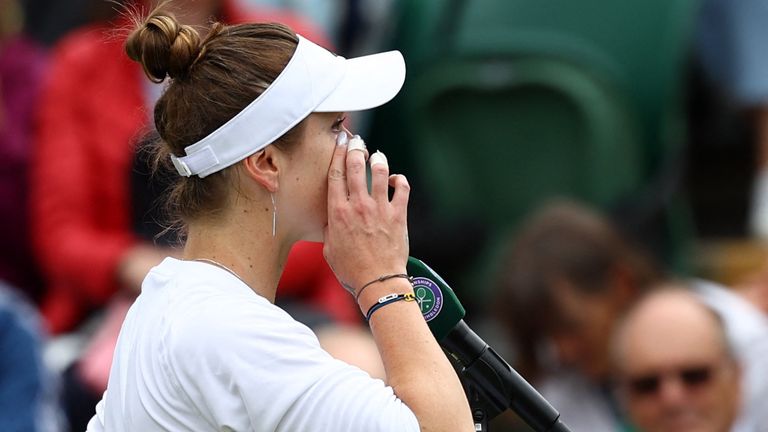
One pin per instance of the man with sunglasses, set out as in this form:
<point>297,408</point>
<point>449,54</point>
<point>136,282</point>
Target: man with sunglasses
<point>568,279</point>
<point>675,370</point>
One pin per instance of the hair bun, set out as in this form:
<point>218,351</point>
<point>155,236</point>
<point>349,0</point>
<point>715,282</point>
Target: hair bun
<point>163,46</point>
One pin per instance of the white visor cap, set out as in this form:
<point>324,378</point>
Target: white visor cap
<point>314,80</point>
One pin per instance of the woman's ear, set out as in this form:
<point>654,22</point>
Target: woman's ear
<point>262,167</point>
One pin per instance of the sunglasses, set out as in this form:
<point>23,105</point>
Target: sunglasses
<point>691,377</point>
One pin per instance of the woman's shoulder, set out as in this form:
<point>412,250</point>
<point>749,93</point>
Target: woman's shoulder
<point>205,304</point>
<point>220,329</point>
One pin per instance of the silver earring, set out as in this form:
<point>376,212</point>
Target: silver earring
<point>274,214</point>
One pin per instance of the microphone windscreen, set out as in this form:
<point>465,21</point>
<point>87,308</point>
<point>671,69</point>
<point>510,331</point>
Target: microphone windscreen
<point>439,304</point>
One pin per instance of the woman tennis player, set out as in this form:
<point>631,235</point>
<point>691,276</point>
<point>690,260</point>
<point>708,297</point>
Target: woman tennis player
<point>253,122</point>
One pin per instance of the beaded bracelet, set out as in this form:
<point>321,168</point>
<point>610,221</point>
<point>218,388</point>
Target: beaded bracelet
<point>388,299</point>
<point>382,279</point>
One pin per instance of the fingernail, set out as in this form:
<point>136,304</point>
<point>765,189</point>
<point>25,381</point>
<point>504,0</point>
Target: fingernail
<point>378,158</point>
<point>342,138</point>
<point>356,143</point>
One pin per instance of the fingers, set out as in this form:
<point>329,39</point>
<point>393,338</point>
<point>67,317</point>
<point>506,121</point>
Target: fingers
<point>356,167</point>
<point>347,174</point>
<point>337,185</point>
<point>402,190</point>
<point>379,177</point>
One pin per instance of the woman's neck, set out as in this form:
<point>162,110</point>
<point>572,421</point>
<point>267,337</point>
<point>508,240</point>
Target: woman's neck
<point>243,243</point>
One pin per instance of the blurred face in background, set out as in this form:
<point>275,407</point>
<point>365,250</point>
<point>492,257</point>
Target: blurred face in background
<point>582,327</point>
<point>673,370</point>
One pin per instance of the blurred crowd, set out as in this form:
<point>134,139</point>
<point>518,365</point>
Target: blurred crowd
<point>569,160</point>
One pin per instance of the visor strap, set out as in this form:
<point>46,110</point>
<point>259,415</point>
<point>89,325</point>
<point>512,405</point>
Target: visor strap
<point>199,161</point>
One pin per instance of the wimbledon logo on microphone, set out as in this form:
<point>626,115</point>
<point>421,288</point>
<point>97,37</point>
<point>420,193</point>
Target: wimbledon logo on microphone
<point>429,296</point>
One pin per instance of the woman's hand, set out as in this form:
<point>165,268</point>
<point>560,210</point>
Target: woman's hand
<point>367,237</point>
<point>367,234</point>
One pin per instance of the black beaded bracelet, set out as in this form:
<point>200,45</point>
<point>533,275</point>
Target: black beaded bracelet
<point>382,279</point>
<point>388,299</point>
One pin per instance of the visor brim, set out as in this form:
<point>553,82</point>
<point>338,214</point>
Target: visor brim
<point>369,81</point>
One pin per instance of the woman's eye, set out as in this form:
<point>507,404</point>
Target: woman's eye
<point>337,125</point>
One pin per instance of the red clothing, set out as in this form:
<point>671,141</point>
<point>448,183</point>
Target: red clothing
<point>92,112</point>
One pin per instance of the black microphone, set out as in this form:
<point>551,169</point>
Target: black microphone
<point>500,386</point>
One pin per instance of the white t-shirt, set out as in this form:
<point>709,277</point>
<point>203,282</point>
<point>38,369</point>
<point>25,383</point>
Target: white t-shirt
<point>200,351</point>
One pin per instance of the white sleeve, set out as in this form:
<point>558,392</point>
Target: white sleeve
<point>253,368</point>
<point>347,399</point>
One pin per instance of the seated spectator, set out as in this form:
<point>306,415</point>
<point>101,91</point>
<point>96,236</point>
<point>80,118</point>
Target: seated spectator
<point>569,277</point>
<point>675,368</point>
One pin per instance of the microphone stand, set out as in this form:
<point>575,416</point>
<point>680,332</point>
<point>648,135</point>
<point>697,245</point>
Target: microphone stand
<point>493,386</point>
<point>479,408</point>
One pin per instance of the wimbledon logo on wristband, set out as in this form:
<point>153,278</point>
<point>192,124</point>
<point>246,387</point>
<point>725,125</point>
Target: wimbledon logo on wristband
<point>429,296</point>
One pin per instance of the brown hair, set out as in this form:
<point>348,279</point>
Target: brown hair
<point>211,80</point>
<point>563,241</point>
